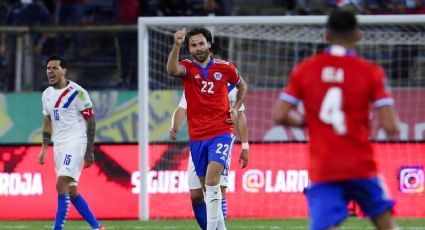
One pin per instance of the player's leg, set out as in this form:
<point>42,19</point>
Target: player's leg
<point>372,197</point>
<point>62,187</point>
<point>196,195</point>
<point>82,207</point>
<point>213,196</point>
<point>327,205</point>
<point>385,221</point>
<point>223,201</point>
<point>224,180</point>
<point>77,199</point>
<point>218,153</point>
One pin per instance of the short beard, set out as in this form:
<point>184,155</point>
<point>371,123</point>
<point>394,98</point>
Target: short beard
<point>203,57</point>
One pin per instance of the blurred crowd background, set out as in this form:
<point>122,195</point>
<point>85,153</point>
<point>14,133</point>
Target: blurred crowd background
<point>108,59</point>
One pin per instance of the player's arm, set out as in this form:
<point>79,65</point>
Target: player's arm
<point>91,130</point>
<point>285,113</point>
<point>85,106</point>
<point>242,127</point>
<point>389,119</point>
<point>176,122</point>
<point>240,98</point>
<point>47,136</point>
<point>384,103</point>
<point>173,66</point>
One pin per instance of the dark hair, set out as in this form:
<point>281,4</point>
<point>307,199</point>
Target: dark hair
<point>62,61</point>
<point>198,30</point>
<point>342,23</point>
<point>215,49</point>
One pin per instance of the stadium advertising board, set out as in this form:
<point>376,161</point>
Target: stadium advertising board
<point>271,187</point>
<point>117,116</point>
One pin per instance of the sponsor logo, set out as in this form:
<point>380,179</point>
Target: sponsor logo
<point>411,179</point>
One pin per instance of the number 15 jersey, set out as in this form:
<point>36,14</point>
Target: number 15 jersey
<point>338,88</point>
<point>206,93</point>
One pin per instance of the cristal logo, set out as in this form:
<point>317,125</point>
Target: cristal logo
<point>253,180</point>
<point>411,179</point>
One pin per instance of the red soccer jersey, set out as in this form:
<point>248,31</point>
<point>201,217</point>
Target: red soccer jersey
<point>207,97</point>
<point>337,89</point>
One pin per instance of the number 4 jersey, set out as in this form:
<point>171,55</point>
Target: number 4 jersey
<point>67,108</point>
<point>337,89</point>
<point>207,97</point>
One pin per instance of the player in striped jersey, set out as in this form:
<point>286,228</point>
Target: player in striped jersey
<point>69,122</point>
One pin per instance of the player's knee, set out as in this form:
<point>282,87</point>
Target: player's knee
<point>62,184</point>
<point>73,192</point>
<point>197,196</point>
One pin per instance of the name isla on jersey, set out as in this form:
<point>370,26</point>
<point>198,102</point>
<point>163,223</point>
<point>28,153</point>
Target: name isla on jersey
<point>332,74</point>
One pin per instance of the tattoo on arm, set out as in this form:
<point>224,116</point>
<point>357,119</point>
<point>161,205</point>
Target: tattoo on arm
<point>46,138</point>
<point>91,129</point>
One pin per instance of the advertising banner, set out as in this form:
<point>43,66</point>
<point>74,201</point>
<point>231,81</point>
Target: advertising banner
<point>117,116</point>
<point>270,187</point>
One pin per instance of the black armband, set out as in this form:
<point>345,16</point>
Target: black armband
<point>46,137</point>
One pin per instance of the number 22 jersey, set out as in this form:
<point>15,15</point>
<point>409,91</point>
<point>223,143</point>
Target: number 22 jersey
<point>206,93</point>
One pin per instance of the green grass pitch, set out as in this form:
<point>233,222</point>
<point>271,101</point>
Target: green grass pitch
<point>248,224</point>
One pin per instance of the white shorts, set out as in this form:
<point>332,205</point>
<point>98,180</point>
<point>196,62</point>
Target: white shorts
<point>69,158</point>
<point>193,179</point>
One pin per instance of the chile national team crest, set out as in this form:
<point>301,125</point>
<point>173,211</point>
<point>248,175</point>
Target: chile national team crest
<point>218,76</point>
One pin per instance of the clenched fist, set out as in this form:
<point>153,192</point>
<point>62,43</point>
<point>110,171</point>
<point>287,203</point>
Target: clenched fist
<point>179,36</point>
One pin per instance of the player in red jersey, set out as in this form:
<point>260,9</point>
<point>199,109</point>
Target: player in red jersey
<point>337,88</point>
<point>210,116</point>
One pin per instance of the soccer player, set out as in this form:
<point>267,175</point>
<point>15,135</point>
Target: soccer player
<point>210,116</point>
<point>337,88</point>
<point>69,122</point>
<point>196,194</point>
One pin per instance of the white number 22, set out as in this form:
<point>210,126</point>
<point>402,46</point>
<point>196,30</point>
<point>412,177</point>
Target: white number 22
<point>207,87</point>
<point>331,112</point>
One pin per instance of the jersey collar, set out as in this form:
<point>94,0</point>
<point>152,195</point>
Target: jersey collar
<point>336,50</point>
<point>204,70</point>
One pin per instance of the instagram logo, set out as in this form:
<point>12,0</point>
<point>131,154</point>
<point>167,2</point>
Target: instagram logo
<point>411,179</point>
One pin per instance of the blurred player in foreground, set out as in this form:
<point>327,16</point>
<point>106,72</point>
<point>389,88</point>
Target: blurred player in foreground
<point>210,117</point>
<point>69,122</point>
<point>337,88</point>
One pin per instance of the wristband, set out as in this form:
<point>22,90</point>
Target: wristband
<point>245,145</point>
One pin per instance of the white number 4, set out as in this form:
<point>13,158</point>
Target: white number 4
<point>207,87</point>
<point>331,112</point>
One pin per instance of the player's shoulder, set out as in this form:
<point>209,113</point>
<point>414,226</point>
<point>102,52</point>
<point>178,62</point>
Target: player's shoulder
<point>75,86</point>
<point>367,63</point>
<point>220,62</point>
<point>224,65</point>
<point>47,91</point>
<point>188,61</point>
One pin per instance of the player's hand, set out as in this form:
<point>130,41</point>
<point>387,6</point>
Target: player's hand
<point>243,158</point>
<point>233,116</point>
<point>88,159</point>
<point>173,134</point>
<point>179,36</point>
<point>42,158</point>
